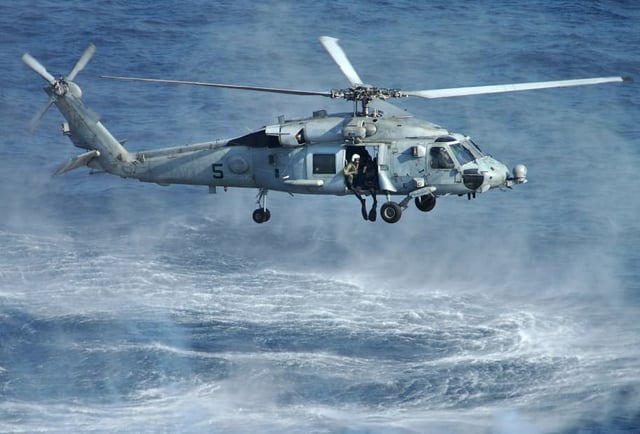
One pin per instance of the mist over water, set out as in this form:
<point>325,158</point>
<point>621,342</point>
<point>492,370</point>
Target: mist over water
<point>133,307</point>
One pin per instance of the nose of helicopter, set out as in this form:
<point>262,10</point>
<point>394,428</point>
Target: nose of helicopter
<point>499,175</point>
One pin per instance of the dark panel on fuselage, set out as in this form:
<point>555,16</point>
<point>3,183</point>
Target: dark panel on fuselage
<point>257,139</point>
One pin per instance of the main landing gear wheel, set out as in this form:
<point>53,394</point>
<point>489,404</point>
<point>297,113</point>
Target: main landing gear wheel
<point>390,212</point>
<point>426,203</point>
<point>261,215</point>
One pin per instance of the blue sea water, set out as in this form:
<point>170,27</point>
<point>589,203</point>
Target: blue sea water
<point>138,308</point>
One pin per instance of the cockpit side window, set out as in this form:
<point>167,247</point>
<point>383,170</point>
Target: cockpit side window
<point>440,158</point>
<point>462,154</point>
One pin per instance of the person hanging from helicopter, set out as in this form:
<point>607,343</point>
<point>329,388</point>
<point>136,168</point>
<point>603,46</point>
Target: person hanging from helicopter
<point>369,181</point>
<point>363,176</point>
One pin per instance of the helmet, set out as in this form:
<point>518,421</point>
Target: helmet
<point>355,157</point>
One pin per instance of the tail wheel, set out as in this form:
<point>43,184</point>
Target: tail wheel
<point>391,212</point>
<point>425,203</point>
<point>261,215</point>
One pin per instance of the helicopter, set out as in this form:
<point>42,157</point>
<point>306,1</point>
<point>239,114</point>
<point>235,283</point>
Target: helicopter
<point>376,148</point>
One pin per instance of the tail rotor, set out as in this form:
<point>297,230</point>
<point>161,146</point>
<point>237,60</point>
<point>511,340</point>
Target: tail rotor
<point>58,87</point>
<point>33,124</point>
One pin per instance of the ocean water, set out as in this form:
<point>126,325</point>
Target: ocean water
<point>128,307</point>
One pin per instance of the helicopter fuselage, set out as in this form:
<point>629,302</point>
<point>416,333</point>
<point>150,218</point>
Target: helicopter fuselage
<point>308,156</point>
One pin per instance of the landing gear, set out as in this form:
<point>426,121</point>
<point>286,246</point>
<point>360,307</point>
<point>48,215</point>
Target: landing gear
<point>390,212</point>
<point>425,203</point>
<point>262,213</point>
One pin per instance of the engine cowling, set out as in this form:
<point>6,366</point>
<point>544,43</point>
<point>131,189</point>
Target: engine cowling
<point>289,135</point>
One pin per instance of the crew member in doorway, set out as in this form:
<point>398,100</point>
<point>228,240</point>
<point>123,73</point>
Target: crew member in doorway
<point>351,171</point>
<point>359,176</point>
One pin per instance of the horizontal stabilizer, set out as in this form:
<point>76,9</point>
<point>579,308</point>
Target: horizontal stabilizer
<point>79,161</point>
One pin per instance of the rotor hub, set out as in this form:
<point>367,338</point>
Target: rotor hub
<point>366,94</point>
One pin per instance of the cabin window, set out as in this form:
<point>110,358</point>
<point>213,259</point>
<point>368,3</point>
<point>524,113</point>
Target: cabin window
<point>440,158</point>
<point>324,164</point>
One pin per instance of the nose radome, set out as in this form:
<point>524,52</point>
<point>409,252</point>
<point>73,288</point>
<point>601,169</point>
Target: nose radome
<point>520,173</point>
<point>498,174</point>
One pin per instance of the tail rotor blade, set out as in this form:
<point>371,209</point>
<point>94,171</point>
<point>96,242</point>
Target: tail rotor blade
<point>32,63</point>
<point>82,62</point>
<point>339,56</point>
<point>36,119</point>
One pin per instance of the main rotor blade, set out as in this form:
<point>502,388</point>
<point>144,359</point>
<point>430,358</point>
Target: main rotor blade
<point>499,88</point>
<point>82,62</point>
<point>337,53</point>
<point>31,62</point>
<point>226,86</point>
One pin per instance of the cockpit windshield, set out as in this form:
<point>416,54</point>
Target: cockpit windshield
<point>462,154</point>
<point>473,147</point>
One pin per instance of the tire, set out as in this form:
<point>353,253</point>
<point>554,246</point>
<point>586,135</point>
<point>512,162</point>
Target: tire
<point>425,203</point>
<point>390,212</point>
<point>261,215</point>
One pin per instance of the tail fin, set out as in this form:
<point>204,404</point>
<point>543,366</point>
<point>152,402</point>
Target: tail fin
<point>83,126</point>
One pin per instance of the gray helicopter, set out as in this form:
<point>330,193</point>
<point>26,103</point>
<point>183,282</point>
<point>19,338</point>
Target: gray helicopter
<point>376,148</point>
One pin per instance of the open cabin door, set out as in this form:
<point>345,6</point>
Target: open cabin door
<point>376,157</point>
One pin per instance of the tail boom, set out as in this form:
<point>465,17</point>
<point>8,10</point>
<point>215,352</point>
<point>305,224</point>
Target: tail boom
<point>86,131</point>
